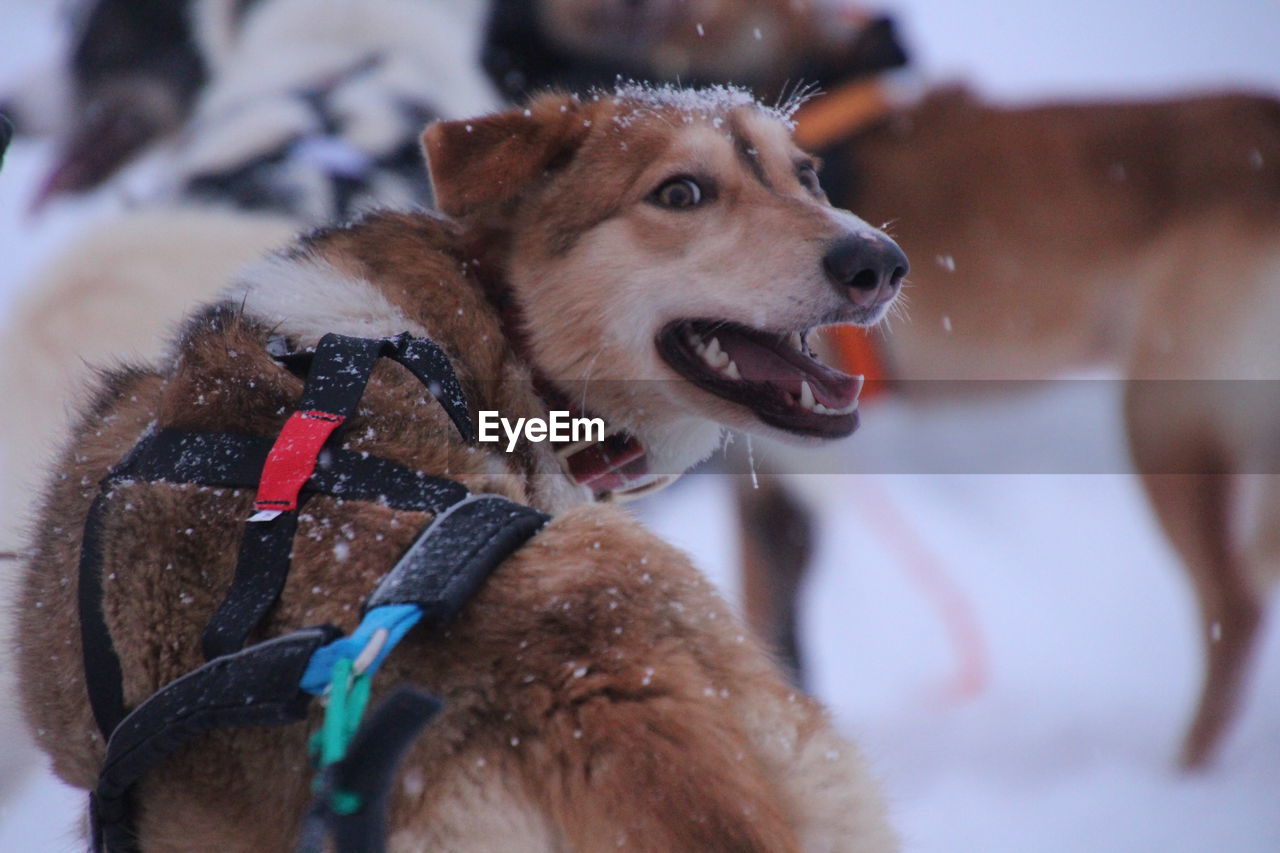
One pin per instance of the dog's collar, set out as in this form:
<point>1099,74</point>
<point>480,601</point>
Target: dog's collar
<point>834,117</point>
<point>614,468</point>
<point>857,351</point>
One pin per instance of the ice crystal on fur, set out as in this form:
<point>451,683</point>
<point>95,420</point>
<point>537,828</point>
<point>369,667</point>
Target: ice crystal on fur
<point>706,103</point>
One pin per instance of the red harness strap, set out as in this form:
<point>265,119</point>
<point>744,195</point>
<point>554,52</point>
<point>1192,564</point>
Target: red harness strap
<point>293,458</point>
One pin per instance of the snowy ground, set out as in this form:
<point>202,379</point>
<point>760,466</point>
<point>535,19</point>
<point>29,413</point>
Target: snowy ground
<point>1084,613</point>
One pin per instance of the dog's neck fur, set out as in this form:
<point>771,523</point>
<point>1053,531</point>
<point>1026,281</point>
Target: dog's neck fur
<point>490,272</point>
<point>326,287</point>
<point>308,293</point>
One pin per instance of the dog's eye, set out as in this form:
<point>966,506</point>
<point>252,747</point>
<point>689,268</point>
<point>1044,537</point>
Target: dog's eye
<point>682,192</point>
<point>808,177</point>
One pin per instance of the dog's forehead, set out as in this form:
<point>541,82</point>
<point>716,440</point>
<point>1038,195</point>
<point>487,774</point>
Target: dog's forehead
<point>636,103</point>
<point>763,131</point>
<point>652,119</point>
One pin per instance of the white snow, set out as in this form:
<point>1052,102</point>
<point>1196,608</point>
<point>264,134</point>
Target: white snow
<point>1092,662</point>
<point>1091,657</point>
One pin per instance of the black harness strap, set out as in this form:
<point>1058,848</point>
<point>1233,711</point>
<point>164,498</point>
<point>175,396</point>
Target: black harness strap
<point>261,571</point>
<point>440,573</point>
<point>235,461</point>
<point>103,677</point>
<point>420,356</point>
<point>368,771</point>
<point>455,554</point>
<point>254,687</point>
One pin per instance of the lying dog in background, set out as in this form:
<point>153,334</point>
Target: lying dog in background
<point>133,74</point>
<point>598,693</point>
<point>130,74</point>
<point>1140,235</point>
<point>308,116</point>
<point>770,45</point>
<point>139,74</point>
<point>304,114</point>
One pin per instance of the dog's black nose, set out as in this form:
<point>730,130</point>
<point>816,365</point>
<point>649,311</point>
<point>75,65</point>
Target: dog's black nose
<point>866,269</point>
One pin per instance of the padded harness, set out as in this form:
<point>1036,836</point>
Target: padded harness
<point>272,683</point>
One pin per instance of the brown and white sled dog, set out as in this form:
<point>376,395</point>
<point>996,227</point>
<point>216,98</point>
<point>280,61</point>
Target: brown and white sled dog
<point>599,694</point>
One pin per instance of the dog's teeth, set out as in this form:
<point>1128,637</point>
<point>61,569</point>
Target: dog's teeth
<point>732,371</point>
<point>858,381</point>
<point>826,410</point>
<point>807,400</point>
<point>796,341</point>
<point>715,356</point>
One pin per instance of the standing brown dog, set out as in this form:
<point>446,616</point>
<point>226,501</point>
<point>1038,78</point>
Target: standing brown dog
<point>599,695</point>
<point>1141,235</point>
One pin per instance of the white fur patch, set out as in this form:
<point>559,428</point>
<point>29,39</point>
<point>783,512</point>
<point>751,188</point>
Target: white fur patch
<point>258,128</point>
<point>288,45</point>
<point>307,297</point>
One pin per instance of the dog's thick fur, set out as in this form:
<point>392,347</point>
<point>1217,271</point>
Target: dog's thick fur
<point>1138,235</point>
<point>600,695</point>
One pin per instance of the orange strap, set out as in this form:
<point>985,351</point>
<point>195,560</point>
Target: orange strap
<point>836,116</point>
<point>856,352</point>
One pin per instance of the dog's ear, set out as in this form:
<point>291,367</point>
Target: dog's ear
<point>480,163</point>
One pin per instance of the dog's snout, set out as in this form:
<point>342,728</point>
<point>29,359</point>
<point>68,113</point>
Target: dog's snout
<point>866,269</point>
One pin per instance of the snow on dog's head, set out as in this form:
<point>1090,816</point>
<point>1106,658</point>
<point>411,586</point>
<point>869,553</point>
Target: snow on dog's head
<point>668,250</point>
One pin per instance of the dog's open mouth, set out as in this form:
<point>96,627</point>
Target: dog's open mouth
<point>773,374</point>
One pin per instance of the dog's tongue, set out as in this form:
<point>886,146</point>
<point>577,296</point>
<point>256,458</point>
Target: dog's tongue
<point>769,358</point>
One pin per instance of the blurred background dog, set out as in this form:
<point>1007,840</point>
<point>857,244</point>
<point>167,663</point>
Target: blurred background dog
<point>1139,235</point>
<point>277,116</point>
<point>991,203</point>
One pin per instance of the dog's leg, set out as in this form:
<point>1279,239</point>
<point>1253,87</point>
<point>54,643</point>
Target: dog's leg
<point>652,721</point>
<point>1193,506</point>
<point>1193,510</point>
<point>776,536</point>
<point>670,775</point>
<point>1261,547</point>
